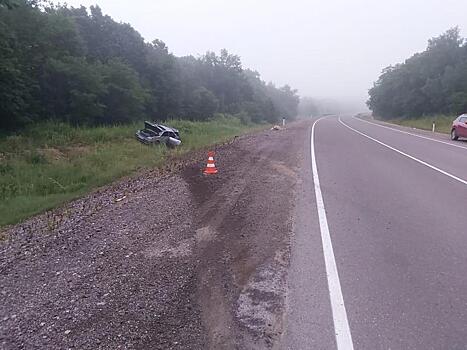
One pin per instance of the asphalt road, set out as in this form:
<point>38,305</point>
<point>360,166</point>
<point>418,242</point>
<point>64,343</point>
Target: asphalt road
<point>396,209</point>
<point>359,242</point>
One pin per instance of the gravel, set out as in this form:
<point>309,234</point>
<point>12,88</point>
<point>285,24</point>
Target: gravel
<point>169,259</point>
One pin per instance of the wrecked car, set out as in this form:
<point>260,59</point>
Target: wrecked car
<point>157,133</point>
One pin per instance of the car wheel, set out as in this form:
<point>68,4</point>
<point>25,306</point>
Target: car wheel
<point>454,136</point>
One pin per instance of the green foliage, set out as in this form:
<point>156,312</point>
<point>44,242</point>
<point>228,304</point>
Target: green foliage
<point>269,103</point>
<point>52,162</point>
<point>68,64</point>
<point>308,107</point>
<point>124,96</point>
<point>431,82</point>
<point>203,103</point>
<point>73,90</point>
<point>29,38</point>
<point>73,84</point>
<point>443,123</point>
<point>9,4</point>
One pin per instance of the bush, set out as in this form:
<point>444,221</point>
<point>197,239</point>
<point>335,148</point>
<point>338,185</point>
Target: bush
<point>75,160</point>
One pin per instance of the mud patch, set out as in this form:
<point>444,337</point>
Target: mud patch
<point>200,267</point>
<point>283,169</point>
<point>260,306</point>
<point>201,186</point>
<point>216,313</point>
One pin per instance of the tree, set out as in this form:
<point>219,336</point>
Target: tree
<point>124,96</point>
<point>203,104</point>
<point>73,89</point>
<point>28,38</point>
<point>308,107</point>
<point>9,4</point>
<point>68,64</point>
<point>431,82</point>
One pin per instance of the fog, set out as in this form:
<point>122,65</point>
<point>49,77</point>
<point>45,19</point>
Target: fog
<point>332,49</point>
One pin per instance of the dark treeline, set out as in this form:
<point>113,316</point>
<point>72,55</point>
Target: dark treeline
<point>431,82</point>
<point>68,64</point>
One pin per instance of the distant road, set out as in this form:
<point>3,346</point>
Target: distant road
<point>378,253</point>
<point>396,210</point>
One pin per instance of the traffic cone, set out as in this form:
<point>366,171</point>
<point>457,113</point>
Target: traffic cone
<point>211,166</point>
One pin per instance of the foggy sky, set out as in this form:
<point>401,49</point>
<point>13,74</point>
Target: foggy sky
<point>325,49</point>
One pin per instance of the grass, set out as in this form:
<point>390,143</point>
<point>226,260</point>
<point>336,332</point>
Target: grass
<point>443,123</point>
<point>51,163</point>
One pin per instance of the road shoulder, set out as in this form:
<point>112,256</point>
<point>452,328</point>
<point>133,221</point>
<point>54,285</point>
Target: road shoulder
<point>309,317</point>
<point>178,261</point>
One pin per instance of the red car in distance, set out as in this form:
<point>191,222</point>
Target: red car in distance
<point>459,127</point>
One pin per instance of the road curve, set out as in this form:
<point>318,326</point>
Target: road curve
<point>398,225</point>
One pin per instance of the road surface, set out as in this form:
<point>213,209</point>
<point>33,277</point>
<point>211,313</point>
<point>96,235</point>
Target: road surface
<point>396,208</point>
<point>357,240</point>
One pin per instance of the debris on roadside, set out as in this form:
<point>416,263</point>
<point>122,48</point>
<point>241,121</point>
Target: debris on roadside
<point>276,127</point>
<point>120,199</point>
<point>158,134</point>
<point>170,238</point>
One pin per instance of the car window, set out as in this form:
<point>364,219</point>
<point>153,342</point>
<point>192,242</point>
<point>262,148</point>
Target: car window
<point>149,132</point>
<point>462,119</point>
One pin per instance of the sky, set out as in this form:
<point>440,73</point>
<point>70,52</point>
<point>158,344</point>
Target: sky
<point>327,49</point>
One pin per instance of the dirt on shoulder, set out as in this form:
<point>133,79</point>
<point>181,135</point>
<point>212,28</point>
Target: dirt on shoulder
<point>178,260</point>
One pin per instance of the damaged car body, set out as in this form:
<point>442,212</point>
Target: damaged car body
<point>157,133</point>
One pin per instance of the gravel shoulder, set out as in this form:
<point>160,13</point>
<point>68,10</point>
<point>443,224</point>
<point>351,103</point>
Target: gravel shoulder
<point>172,260</point>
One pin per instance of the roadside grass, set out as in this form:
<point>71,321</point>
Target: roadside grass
<point>51,163</point>
<point>443,123</point>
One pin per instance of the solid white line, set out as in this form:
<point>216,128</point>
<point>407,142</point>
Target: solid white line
<point>339,315</point>
<point>407,155</point>
<point>410,133</point>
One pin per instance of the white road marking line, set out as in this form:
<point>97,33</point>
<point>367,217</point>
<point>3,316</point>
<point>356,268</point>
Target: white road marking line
<point>406,155</point>
<point>410,133</point>
<point>339,315</point>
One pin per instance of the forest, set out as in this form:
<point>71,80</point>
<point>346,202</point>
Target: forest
<point>79,66</point>
<point>428,83</point>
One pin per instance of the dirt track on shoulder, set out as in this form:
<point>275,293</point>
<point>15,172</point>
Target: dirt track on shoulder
<point>174,261</point>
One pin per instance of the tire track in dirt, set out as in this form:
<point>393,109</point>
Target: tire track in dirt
<point>184,261</point>
<point>214,296</point>
<point>242,277</point>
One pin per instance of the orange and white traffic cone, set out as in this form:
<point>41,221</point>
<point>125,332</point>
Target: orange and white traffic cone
<point>211,166</point>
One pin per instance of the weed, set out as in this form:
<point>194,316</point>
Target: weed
<point>443,123</point>
<point>39,168</point>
